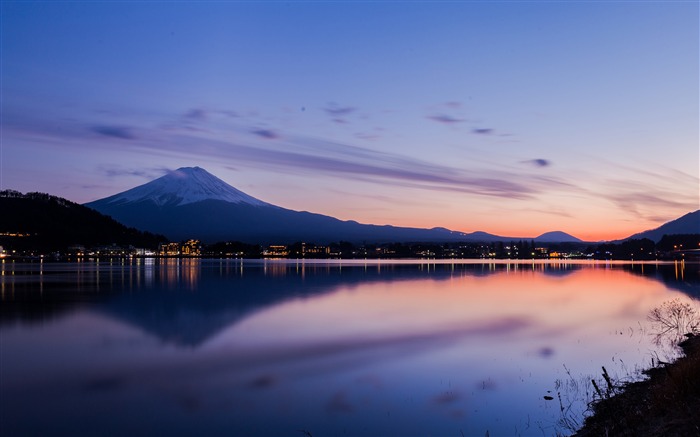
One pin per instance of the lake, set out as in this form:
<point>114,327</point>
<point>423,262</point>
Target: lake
<point>322,348</point>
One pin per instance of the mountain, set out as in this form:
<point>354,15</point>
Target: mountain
<point>191,203</point>
<point>557,237</point>
<point>687,224</point>
<point>52,223</point>
<point>485,236</point>
<point>182,187</point>
<point>547,237</point>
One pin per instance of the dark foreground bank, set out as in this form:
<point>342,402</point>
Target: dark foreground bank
<point>665,404</point>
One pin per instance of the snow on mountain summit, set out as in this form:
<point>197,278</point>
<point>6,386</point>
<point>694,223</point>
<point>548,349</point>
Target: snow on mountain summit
<point>182,186</point>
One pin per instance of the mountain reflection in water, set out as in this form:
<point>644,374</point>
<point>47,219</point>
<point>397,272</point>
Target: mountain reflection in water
<point>223,347</point>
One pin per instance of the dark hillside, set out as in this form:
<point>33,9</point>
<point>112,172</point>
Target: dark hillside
<point>44,222</point>
<point>688,224</point>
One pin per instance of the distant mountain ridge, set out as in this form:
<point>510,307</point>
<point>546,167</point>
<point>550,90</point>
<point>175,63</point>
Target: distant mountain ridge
<point>191,203</point>
<point>687,224</point>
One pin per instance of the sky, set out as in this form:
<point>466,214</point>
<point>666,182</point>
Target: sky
<point>514,117</point>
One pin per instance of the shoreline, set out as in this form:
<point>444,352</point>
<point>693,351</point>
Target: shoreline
<point>665,404</point>
<point>375,259</point>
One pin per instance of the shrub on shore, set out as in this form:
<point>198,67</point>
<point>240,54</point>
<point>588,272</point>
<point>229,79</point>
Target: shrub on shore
<point>668,402</point>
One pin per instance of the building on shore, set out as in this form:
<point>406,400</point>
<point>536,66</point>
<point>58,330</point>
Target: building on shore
<point>191,248</point>
<point>276,251</point>
<point>310,249</point>
<point>169,249</point>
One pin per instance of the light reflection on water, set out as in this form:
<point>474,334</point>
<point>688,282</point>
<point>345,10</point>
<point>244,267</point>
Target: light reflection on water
<point>232,347</point>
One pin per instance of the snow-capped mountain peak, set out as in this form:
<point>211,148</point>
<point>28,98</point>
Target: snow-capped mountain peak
<point>182,186</point>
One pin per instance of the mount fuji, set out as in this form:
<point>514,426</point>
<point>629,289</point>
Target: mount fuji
<point>181,187</point>
<point>192,203</point>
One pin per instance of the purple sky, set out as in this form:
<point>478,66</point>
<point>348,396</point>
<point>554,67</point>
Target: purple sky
<point>509,117</point>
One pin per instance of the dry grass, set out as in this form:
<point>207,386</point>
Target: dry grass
<point>666,404</point>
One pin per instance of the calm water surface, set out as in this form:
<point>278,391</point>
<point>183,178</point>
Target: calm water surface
<point>231,347</point>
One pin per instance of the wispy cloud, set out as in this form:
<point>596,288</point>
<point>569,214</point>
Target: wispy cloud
<point>121,132</point>
<point>201,114</point>
<point>646,204</point>
<point>339,114</point>
<point>146,173</point>
<point>483,131</point>
<point>266,133</point>
<point>551,210</point>
<point>338,111</point>
<point>539,162</point>
<point>643,193</point>
<point>317,156</point>
<point>196,114</point>
<point>367,136</point>
<point>340,160</point>
<point>446,119</point>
